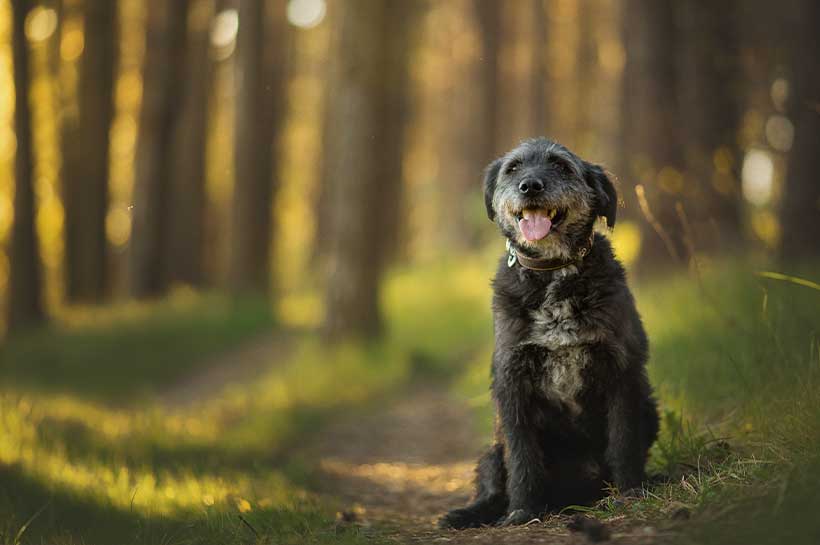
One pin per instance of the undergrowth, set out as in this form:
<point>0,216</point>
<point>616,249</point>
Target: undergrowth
<point>735,362</point>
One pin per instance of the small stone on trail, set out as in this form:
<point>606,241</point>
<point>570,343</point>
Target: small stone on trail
<point>595,530</point>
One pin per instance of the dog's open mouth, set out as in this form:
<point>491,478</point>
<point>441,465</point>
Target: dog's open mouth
<point>536,223</point>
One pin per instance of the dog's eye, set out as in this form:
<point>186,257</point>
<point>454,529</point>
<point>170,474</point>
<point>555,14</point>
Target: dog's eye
<point>512,167</point>
<point>562,167</point>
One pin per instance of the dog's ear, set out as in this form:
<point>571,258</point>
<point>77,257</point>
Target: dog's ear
<point>490,179</point>
<point>605,195</point>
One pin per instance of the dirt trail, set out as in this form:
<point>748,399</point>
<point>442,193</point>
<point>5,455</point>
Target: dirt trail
<point>399,467</point>
<point>404,466</point>
<point>239,366</point>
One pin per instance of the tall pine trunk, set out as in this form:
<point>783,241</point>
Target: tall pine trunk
<point>184,261</point>
<point>712,95</point>
<point>488,16</point>
<point>25,306</point>
<point>86,159</point>
<point>800,213</point>
<point>367,120</point>
<point>538,77</point>
<point>259,96</point>
<point>163,83</point>
<point>651,128</point>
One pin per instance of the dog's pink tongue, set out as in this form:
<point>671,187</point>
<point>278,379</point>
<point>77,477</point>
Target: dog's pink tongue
<point>535,224</point>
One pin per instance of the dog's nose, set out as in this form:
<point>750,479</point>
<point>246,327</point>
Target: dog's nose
<point>530,186</point>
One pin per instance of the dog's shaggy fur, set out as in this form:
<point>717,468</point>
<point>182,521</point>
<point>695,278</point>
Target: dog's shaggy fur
<point>575,411</point>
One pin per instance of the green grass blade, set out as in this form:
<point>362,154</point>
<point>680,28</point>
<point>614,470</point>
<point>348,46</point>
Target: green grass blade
<point>787,278</point>
<point>25,526</point>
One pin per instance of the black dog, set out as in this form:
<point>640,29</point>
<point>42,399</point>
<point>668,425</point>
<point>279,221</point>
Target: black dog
<point>574,407</point>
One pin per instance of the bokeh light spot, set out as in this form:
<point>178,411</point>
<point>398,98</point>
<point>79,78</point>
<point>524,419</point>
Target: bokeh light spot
<point>72,42</point>
<point>723,160</point>
<point>757,176</point>
<point>224,29</point>
<point>780,93</point>
<point>766,227</point>
<point>41,23</point>
<point>670,180</point>
<point>780,132</point>
<point>626,240</point>
<point>306,13</point>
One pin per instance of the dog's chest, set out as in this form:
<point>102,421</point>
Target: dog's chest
<point>557,322</point>
<point>555,326</point>
<point>562,379</point>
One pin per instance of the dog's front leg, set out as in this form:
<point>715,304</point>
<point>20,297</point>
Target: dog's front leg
<point>625,448</point>
<point>514,388</point>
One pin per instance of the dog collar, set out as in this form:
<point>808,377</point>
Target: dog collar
<point>545,264</point>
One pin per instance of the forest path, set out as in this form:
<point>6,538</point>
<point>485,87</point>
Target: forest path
<point>403,466</point>
<point>238,366</point>
<point>396,467</point>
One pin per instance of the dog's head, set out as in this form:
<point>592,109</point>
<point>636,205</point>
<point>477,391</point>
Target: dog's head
<point>545,199</point>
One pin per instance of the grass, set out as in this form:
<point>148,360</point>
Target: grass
<point>740,355</point>
<point>735,360</point>
<point>125,352</point>
<point>90,454</point>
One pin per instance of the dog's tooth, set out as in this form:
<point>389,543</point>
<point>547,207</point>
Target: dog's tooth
<point>552,213</point>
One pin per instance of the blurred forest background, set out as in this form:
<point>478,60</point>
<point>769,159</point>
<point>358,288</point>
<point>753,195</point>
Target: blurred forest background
<point>197,195</point>
<point>272,147</point>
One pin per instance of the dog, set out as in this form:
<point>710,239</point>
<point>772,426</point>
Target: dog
<point>575,413</point>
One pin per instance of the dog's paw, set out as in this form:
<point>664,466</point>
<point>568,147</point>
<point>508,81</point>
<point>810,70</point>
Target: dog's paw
<point>518,517</point>
<point>458,519</point>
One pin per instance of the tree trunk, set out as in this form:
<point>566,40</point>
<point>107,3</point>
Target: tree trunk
<point>184,261</point>
<point>25,306</point>
<point>586,80</point>
<point>488,15</point>
<point>711,87</point>
<point>463,141</point>
<point>259,100</point>
<point>86,158</point>
<point>163,83</point>
<point>651,125</point>
<point>800,213</point>
<point>367,119</point>
<point>538,77</point>
<point>320,250</point>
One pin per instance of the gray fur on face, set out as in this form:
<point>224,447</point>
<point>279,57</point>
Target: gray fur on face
<point>571,185</point>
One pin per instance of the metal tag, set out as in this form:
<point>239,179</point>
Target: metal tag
<point>510,258</point>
